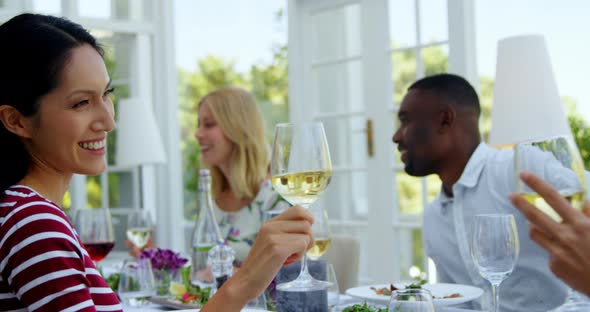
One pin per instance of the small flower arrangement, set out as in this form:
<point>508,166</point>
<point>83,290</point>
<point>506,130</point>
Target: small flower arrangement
<point>164,259</point>
<point>165,264</point>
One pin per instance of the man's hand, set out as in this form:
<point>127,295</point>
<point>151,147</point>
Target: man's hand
<point>568,243</point>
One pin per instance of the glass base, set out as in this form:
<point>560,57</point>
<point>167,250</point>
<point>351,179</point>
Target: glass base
<point>574,302</point>
<point>304,284</point>
<point>136,298</point>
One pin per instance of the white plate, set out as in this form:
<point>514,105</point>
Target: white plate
<point>438,290</point>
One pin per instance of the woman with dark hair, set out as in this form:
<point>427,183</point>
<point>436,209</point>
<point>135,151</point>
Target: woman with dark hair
<point>55,114</point>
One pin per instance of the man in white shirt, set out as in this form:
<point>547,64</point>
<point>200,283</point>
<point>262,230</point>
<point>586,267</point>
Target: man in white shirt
<point>439,134</point>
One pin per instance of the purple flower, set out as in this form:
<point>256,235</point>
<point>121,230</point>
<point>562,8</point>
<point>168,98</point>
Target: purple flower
<point>163,259</point>
<point>234,232</point>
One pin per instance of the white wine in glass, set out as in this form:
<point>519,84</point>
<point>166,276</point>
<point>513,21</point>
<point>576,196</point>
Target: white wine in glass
<point>300,170</point>
<point>319,248</point>
<point>321,233</point>
<point>556,160</point>
<point>302,187</point>
<point>139,227</point>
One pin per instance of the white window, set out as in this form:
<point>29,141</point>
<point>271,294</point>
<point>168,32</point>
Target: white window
<point>350,62</point>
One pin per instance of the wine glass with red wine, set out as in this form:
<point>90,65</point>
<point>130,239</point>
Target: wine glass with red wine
<point>95,229</point>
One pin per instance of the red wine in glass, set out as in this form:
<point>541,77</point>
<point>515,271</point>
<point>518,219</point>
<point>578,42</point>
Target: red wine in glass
<point>99,251</point>
<point>95,229</point>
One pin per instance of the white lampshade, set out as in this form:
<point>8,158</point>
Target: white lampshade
<point>526,101</point>
<point>138,136</point>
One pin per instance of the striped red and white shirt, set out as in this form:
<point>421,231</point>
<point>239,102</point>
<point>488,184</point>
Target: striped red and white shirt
<point>43,265</point>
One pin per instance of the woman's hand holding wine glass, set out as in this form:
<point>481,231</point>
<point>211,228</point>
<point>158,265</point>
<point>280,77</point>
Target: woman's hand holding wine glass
<point>301,170</point>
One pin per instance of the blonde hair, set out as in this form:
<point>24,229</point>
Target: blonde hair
<point>240,119</point>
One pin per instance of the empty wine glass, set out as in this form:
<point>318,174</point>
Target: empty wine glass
<point>411,300</point>
<point>137,282</point>
<point>333,289</point>
<point>301,170</point>
<point>494,249</point>
<point>139,227</point>
<point>95,228</point>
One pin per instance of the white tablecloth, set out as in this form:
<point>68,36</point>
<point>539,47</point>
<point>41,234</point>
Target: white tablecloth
<point>344,301</point>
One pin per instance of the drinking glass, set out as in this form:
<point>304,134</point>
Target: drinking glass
<point>333,289</point>
<point>494,249</point>
<point>321,234</point>
<point>300,170</point>
<point>139,227</point>
<point>95,229</point>
<point>556,160</point>
<point>258,303</point>
<point>137,282</point>
<point>411,300</point>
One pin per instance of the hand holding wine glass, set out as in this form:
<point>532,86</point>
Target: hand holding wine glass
<point>494,249</point>
<point>569,250</point>
<point>301,170</point>
<point>557,161</point>
<point>95,229</point>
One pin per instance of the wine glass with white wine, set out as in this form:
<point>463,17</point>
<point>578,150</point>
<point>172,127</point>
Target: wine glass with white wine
<point>139,227</point>
<point>301,170</point>
<point>556,160</point>
<point>322,238</point>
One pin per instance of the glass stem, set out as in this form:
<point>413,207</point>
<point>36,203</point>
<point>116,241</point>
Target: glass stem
<point>304,274</point>
<point>496,297</point>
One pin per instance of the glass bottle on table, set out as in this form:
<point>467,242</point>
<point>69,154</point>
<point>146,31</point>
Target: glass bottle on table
<point>204,234</point>
<point>221,259</point>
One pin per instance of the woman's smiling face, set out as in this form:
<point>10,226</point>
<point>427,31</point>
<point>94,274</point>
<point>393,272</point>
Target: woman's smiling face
<point>69,132</point>
<point>216,148</point>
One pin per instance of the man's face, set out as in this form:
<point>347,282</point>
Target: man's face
<point>416,136</point>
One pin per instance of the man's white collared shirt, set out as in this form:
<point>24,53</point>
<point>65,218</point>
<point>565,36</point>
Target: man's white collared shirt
<point>484,187</point>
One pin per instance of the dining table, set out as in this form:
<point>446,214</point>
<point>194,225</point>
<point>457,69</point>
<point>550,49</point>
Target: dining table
<point>113,263</point>
<point>343,302</point>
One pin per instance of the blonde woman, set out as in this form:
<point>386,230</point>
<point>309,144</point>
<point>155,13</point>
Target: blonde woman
<point>233,146</point>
